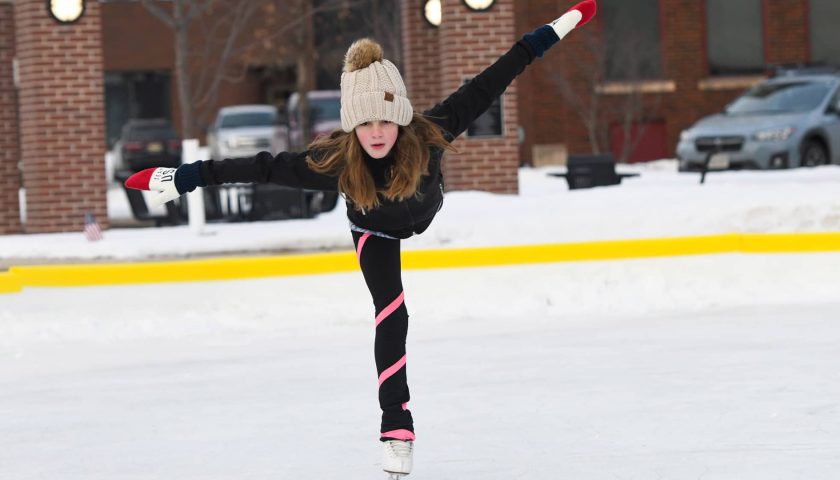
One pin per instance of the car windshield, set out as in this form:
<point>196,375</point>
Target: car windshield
<point>248,119</point>
<point>780,98</point>
<point>325,109</point>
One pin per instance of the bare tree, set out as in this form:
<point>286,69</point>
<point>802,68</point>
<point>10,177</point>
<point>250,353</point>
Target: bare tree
<point>384,23</point>
<point>584,88</point>
<point>220,38</point>
<point>578,87</point>
<point>217,40</point>
<point>328,28</point>
<point>305,67</point>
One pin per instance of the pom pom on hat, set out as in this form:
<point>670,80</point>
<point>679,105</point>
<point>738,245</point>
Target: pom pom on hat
<point>372,88</point>
<point>361,54</point>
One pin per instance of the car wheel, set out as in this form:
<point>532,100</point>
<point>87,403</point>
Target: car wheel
<point>812,154</point>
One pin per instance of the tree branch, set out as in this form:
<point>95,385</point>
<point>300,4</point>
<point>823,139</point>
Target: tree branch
<point>197,9</point>
<point>160,13</point>
<point>299,19</point>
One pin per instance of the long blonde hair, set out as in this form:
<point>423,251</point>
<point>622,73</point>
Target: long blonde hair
<point>342,155</point>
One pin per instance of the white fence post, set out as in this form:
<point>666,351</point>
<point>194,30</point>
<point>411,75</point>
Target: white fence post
<point>195,199</point>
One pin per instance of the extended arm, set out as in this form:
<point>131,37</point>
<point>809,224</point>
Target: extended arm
<point>461,108</point>
<point>286,168</point>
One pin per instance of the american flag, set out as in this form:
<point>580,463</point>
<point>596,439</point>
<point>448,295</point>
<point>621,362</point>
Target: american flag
<point>92,230</point>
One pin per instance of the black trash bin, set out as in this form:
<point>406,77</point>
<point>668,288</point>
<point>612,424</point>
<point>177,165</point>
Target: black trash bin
<point>587,171</point>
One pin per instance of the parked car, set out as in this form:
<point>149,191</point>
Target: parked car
<point>245,130</point>
<point>791,120</point>
<point>146,144</point>
<point>324,116</point>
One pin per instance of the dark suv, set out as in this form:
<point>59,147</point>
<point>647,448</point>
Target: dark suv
<point>145,144</point>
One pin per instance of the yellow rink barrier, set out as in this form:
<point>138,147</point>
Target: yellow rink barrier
<point>9,283</point>
<point>228,268</point>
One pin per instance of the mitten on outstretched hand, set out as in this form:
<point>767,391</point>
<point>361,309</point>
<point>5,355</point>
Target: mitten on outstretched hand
<point>544,37</point>
<point>171,183</point>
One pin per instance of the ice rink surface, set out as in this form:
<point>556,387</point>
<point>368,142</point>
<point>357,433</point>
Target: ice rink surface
<point>708,367</point>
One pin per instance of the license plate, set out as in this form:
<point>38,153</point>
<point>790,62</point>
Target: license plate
<point>719,161</point>
<point>154,147</point>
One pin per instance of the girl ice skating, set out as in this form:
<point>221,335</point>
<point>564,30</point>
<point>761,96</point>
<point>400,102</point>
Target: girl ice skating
<point>386,162</point>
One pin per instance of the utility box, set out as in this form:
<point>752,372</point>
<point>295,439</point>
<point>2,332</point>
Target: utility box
<point>587,171</point>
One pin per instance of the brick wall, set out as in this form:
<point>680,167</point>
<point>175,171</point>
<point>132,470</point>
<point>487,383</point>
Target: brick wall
<point>421,59</point>
<point>684,61</point>
<point>469,42</point>
<point>9,150</point>
<point>62,117</point>
<point>786,31</point>
<point>542,112</point>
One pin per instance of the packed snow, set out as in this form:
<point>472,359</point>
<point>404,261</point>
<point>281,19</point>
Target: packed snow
<point>659,203</point>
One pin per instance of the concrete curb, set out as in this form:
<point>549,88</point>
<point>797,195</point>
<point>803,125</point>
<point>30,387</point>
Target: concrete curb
<point>79,275</point>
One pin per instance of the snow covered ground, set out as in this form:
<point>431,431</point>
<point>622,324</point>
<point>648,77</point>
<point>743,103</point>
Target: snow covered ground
<point>705,367</point>
<point>659,203</point>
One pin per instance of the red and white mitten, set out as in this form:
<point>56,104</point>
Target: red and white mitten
<point>575,17</point>
<point>541,39</point>
<point>160,180</point>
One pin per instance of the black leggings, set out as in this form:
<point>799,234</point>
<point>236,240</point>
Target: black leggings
<point>379,258</point>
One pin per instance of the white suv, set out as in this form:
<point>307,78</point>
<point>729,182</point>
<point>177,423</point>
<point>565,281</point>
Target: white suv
<point>245,130</point>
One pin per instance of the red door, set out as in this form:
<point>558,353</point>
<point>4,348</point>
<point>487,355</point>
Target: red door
<point>648,137</point>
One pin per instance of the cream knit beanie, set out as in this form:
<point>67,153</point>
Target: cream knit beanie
<point>371,88</point>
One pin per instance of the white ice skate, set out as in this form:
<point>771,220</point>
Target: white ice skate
<point>397,458</point>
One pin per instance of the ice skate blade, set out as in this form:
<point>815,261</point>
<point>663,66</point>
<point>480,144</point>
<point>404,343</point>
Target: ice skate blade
<point>396,476</point>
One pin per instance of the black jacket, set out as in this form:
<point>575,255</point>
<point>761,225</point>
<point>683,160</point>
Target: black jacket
<point>399,219</point>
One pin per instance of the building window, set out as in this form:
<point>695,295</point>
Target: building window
<point>631,38</point>
<point>131,95</point>
<point>825,36</point>
<point>735,37</point>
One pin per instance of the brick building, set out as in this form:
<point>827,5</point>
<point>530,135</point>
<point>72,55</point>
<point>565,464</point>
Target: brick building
<point>660,63</point>
<point>52,115</point>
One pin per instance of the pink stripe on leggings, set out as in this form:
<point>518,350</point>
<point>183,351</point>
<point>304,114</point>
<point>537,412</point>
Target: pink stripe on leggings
<point>392,370</point>
<point>390,308</point>
<point>361,244</point>
<point>401,434</point>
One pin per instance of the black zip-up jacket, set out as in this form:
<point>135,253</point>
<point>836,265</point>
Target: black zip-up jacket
<point>400,219</point>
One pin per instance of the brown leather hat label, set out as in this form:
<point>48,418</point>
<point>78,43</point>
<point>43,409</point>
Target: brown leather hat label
<point>389,97</point>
